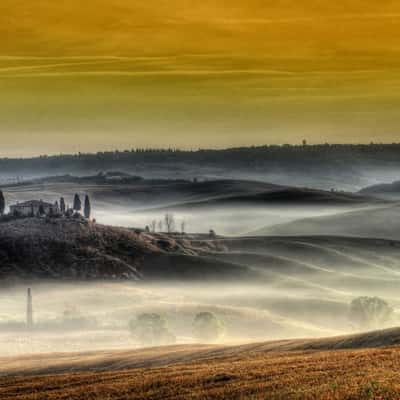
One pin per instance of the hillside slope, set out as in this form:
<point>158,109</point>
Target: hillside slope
<point>379,222</point>
<point>57,248</point>
<point>182,354</point>
<point>179,194</point>
<point>390,191</point>
<point>75,249</point>
<point>325,375</point>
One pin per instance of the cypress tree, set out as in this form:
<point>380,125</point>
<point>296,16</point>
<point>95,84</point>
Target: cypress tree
<point>41,210</point>
<point>88,208</point>
<point>2,203</point>
<point>62,205</point>
<point>77,203</point>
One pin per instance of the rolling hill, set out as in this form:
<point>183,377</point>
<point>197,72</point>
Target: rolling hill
<point>390,191</point>
<point>378,222</point>
<point>156,357</point>
<point>75,249</point>
<point>326,368</point>
<point>137,193</point>
<point>59,249</point>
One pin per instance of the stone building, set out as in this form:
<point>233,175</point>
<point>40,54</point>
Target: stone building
<point>33,207</point>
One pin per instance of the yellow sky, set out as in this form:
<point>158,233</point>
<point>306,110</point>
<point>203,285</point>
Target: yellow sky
<point>103,74</point>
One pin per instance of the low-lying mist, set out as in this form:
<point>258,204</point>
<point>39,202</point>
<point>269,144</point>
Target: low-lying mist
<point>86,317</point>
<point>224,221</point>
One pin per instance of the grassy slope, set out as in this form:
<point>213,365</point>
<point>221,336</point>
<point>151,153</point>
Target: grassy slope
<point>251,371</point>
<point>381,222</point>
<point>362,374</point>
<point>35,248</point>
<point>58,248</point>
<point>156,357</point>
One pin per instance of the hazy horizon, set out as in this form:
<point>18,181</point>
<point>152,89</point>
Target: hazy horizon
<point>111,149</point>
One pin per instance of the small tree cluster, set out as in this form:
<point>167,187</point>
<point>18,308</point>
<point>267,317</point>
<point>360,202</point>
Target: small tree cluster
<point>151,329</point>
<point>76,206</point>
<point>168,222</point>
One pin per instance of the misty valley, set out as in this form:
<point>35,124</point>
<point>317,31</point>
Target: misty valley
<point>238,262</point>
<point>89,317</point>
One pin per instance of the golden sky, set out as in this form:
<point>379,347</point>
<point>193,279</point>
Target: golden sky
<point>105,74</point>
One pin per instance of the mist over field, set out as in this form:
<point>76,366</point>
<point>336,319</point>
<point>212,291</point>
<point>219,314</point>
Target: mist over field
<point>245,253</point>
<point>88,317</point>
<point>255,286</point>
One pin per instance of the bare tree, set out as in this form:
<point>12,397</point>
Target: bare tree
<point>169,220</point>
<point>160,225</point>
<point>153,226</point>
<point>183,227</point>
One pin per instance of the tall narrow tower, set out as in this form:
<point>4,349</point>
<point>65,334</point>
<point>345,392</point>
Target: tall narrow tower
<point>29,309</point>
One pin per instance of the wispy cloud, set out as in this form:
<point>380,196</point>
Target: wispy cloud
<point>180,72</point>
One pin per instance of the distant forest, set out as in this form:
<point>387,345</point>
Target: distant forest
<point>285,156</point>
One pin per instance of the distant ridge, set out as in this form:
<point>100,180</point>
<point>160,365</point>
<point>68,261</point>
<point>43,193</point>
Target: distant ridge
<point>336,166</point>
<point>383,190</point>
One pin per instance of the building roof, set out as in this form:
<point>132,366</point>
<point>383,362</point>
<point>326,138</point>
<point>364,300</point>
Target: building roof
<point>33,203</point>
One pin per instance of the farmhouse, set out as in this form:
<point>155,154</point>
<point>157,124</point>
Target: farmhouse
<point>33,207</point>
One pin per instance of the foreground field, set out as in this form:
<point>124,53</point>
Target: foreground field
<point>277,370</point>
<point>351,374</point>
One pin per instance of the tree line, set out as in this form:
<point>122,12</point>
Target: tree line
<point>287,154</point>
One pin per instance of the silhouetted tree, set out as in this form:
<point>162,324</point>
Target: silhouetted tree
<point>62,205</point>
<point>2,203</point>
<point>151,329</point>
<point>153,225</point>
<point>88,209</point>
<point>77,203</point>
<point>41,211</point>
<point>370,312</point>
<point>207,327</point>
<point>183,227</point>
